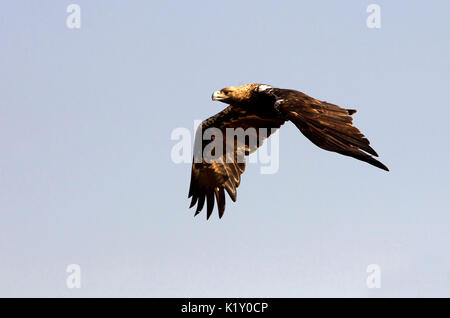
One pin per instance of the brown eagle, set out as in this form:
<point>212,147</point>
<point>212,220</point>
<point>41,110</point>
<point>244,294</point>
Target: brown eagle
<point>257,106</point>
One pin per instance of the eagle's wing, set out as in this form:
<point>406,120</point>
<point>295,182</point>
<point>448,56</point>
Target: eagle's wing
<point>211,177</point>
<point>326,125</point>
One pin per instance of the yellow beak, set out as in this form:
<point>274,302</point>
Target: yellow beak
<point>218,96</point>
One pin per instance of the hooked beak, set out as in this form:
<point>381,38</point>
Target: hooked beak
<point>218,96</point>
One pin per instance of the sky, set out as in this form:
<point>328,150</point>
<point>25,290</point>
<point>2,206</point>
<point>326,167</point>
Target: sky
<point>87,178</point>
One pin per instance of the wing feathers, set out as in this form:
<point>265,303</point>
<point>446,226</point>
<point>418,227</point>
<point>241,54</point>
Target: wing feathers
<point>220,197</point>
<point>231,190</point>
<point>209,204</point>
<point>209,181</point>
<point>194,200</point>
<point>201,203</point>
<point>337,142</point>
<point>327,125</point>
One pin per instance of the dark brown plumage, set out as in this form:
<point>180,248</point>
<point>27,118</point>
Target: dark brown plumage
<point>262,106</point>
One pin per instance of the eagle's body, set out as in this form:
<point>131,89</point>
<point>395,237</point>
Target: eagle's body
<point>256,106</point>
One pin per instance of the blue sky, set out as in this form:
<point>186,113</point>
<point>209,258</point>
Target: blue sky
<point>86,175</point>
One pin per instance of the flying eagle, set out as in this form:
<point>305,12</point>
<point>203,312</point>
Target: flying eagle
<point>258,106</point>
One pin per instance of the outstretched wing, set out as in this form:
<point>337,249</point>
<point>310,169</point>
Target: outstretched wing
<point>214,173</point>
<point>326,125</point>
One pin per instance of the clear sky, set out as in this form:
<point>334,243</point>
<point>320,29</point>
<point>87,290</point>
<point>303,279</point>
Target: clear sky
<point>86,175</point>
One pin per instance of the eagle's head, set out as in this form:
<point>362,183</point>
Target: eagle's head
<point>239,94</point>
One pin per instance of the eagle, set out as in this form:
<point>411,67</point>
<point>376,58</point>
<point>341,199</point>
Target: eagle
<point>261,107</point>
